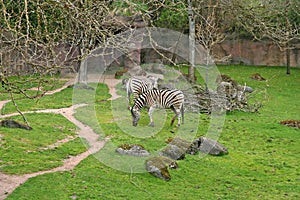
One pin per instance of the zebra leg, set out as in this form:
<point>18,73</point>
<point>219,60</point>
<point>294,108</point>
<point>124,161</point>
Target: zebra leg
<point>128,99</point>
<point>177,114</point>
<point>128,91</point>
<point>173,118</point>
<point>179,119</point>
<point>151,109</point>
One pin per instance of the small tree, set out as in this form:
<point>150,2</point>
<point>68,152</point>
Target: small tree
<point>278,21</point>
<point>34,35</point>
<point>191,73</point>
<point>209,32</point>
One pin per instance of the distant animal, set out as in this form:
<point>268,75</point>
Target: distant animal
<point>154,98</point>
<point>137,86</point>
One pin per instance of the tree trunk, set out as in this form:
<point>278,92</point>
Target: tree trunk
<point>207,70</point>
<point>191,72</point>
<point>288,28</point>
<point>82,76</point>
<point>288,60</point>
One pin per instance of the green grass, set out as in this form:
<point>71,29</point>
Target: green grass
<point>44,83</point>
<point>65,98</point>
<point>58,100</point>
<point>24,151</point>
<point>263,159</point>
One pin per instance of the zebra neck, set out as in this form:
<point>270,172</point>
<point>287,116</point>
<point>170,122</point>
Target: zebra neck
<point>138,105</point>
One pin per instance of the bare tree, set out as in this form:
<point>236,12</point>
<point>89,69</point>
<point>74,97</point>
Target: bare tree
<point>42,38</point>
<point>209,32</point>
<point>191,73</point>
<point>278,21</point>
<point>29,46</point>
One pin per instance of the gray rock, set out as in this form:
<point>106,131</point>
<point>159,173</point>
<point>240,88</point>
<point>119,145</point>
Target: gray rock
<point>166,86</point>
<point>159,167</point>
<point>137,71</point>
<point>155,77</point>
<point>156,68</point>
<point>194,147</point>
<point>212,147</point>
<point>174,152</point>
<point>132,150</point>
<point>247,89</point>
<point>178,147</point>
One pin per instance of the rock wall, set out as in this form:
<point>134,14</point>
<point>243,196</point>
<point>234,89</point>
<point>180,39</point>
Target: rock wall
<point>250,52</point>
<point>62,58</point>
<point>240,51</point>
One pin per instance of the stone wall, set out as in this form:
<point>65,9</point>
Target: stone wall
<point>256,53</point>
<point>62,58</point>
<point>240,51</point>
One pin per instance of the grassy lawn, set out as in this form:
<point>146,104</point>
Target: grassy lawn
<point>44,83</point>
<point>263,159</point>
<point>24,151</point>
<point>61,99</point>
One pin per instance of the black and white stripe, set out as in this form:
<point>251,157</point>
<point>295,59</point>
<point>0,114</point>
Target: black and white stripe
<point>172,99</point>
<point>137,86</point>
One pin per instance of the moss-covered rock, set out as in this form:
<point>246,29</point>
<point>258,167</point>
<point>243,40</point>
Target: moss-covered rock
<point>174,152</point>
<point>132,150</point>
<point>159,167</point>
<point>178,147</point>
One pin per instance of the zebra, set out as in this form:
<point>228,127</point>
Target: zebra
<point>137,86</point>
<point>164,98</point>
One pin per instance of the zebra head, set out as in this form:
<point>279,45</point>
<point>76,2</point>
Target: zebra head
<point>135,113</point>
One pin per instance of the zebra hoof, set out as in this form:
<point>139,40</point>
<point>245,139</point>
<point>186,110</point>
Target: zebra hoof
<point>151,124</point>
<point>178,125</point>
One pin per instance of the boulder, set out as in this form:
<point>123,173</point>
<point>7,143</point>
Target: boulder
<point>156,68</point>
<point>155,77</point>
<point>136,71</point>
<point>177,147</point>
<point>132,150</point>
<point>211,147</point>
<point>174,152</point>
<point>159,167</point>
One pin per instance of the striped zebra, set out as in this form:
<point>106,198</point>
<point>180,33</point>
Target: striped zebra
<point>137,86</point>
<point>154,98</point>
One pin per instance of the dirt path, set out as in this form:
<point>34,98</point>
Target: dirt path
<point>8,183</point>
<point>110,81</point>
